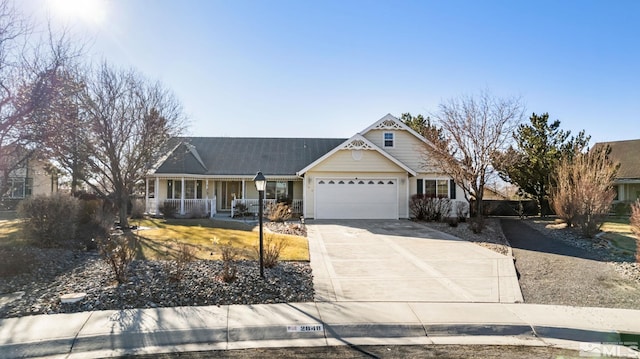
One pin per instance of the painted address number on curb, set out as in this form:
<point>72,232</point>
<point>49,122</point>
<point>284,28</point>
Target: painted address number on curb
<point>305,328</point>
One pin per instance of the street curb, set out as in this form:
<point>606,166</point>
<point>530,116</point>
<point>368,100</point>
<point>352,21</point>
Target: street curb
<point>222,338</point>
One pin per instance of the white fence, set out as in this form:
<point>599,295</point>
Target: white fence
<point>252,205</point>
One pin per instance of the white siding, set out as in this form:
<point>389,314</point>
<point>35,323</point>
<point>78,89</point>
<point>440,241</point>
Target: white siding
<point>407,148</point>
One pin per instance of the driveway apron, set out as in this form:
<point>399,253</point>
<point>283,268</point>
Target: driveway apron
<point>400,260</point>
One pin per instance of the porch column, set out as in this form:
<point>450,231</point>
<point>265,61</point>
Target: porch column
<point>182,197</point>
<point>146,194</point>
<point>243,189</point>
<point>156,195</point>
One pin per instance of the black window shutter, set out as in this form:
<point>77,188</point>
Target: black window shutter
<point>290,191</point>
<point>452,189</point>
<point>199,189</point>
<point>420,186</point>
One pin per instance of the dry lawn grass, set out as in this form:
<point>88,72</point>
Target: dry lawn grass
<point>206,237</point>
<point>11,233</point>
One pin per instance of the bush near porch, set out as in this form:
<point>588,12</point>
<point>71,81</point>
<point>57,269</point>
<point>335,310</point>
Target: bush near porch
<point>163,238</point>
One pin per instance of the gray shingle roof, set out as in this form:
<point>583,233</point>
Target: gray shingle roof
<point>628,154</point>
<point>242,156</point>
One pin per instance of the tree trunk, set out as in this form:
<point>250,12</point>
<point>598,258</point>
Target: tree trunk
<point>124,204</point>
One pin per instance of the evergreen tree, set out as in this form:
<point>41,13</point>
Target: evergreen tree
<point>424,127</point>
<point>539,146</point>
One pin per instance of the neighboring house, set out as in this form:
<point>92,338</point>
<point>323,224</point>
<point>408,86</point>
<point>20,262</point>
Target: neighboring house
<point>371,175</point>
<point>29,177</point>
<point>627,181</point>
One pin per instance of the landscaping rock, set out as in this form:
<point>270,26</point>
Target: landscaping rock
<point>149,285</point>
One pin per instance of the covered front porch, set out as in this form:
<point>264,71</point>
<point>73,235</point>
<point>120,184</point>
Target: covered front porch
<point>206,196</point>
<point>628,190</point>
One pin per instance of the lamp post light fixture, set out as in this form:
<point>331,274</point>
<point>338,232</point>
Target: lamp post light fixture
<point>261,184</point>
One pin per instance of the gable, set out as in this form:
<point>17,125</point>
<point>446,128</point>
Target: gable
<point>182,160</point>
<point>408,146</point>
<point>356,147</point>
<point>357,161</point>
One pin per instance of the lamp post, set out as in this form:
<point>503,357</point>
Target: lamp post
<point>261,184</point>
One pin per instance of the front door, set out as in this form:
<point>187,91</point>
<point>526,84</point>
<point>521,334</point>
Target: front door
<point>229,191</point>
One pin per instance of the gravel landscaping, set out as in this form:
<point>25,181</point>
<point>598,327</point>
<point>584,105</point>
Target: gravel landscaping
<point>33,279</point>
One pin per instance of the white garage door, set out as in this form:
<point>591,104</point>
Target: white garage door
<point>370,198</point>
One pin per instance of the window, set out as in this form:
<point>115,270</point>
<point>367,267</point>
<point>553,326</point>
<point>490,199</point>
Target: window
<point>192,189</point>
<point>388,139</point>
<point>19,187</point>
<point>433,188</point>
<point>279,190</point>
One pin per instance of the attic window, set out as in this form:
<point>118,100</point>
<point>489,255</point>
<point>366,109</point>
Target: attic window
<point>388,139</point>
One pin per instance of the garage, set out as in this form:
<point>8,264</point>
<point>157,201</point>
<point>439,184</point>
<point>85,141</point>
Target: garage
<point>358,198</point>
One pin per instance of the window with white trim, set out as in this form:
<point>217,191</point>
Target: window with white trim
<point>437,188</point>
<point>388,139</point>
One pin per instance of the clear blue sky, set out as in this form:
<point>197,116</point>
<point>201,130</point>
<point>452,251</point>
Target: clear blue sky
<point>331,68</point>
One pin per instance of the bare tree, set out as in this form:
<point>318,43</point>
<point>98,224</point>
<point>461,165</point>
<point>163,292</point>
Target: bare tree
<point>54,125</point>
<point>13,34</point>
<point>474,129</point>
<point>29,74</point>
<point>130,121</point>
<point>584,188</point>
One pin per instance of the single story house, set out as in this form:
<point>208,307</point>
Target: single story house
<point>27,177</point>
<point>371,175</point>
<point>627,181</point>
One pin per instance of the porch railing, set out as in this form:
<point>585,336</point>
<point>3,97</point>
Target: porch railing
<point>195,207</point>
<point>252,205</point>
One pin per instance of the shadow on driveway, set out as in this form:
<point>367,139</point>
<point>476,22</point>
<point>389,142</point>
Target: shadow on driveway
<point>522,236</point>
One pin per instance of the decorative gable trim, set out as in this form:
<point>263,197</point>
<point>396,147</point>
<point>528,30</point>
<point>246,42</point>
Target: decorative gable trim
<point>390,122</point>
<point>357,142</point>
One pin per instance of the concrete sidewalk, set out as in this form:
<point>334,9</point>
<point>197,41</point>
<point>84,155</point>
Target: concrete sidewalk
<point>138,331</point>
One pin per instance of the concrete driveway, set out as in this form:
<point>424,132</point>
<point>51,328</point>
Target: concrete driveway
<point>400,260</point>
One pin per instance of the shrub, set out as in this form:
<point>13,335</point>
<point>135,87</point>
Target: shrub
<point>584,189</point>
<point>229,267</point>
<point>185,254</point>
<point>137,209</point>
<point>198,212</point>
<point>118,251</point>
<point>50,220</point>
<point>621,208</point>
<point>87,210</point>
<point>476,225</point>
<point>462,211</point>
<point>635,226</point>
<point>169,209</point>
<point>278,212</point>
<point>428,208</point>
<point>635,218</point>
<point>272,250</point>
<point>240,210</point>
